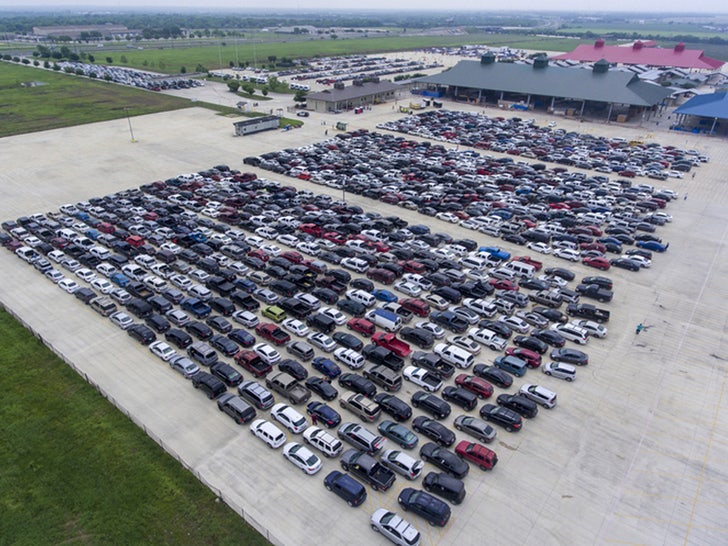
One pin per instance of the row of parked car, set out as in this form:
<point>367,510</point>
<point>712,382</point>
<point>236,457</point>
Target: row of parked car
<point>567,213</point>
<point>155,294</point>
<point>526,139</point>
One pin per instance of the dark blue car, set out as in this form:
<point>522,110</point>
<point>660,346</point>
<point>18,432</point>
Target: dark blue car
<point>327,367</point>
<point>325,414</point>
<point>653,245</point>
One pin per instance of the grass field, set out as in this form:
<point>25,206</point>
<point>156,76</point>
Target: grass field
<point>74,469</point>
<point>64,100</point>
<point>170,60</point>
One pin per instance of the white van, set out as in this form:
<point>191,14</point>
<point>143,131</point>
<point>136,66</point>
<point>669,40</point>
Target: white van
<point>365,298</point>
<point>474,262</point>
<point>454,355</point>
<point>521,269</point>
<point>385,319</point>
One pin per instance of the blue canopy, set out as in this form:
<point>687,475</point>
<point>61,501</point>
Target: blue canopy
<point>713,106</point>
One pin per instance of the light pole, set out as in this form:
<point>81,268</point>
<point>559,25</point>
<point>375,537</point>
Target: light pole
<point>131,131</point>
<point>343,191</point>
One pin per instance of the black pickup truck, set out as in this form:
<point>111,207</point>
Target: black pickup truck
<point>367,468</point>
<point>587,311</point>
<point>595,292</point>
<point>382,355</point>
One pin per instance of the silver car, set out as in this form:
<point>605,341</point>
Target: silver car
<point>402,463</point>
<point>183,365</point>
<point>477,428</point>
<point>393,527</point>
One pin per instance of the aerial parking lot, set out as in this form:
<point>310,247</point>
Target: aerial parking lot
<point>630,451</point>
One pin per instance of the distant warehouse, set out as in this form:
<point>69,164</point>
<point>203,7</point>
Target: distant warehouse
<point>359,94</point>
<point>256,125</point>
<point>80,31</point>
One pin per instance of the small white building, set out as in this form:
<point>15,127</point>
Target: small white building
<point>256,125</point>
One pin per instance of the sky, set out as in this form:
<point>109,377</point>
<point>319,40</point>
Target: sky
<point>650,6</point>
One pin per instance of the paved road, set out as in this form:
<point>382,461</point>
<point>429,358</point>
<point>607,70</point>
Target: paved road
<point>632,454</point>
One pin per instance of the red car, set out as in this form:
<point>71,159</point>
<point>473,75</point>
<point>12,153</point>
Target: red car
<point>334,237</point>
<point>419,307</point>
<point>273,333</point>
<point>363,326</point>
<point>292,256</point>
<point>503,284</point>
<point>260,254</point>
<point>412,266</point>
<point>598,263</point>
<point>530,261</point>
<point>474,384</point>
<point>599,247</point>
<point>478,454</point>
<point>531,358</point>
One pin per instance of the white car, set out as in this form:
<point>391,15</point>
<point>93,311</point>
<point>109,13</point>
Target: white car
<point>540,395</point>
<point>69,285</point>
<point>594,328</point>
<point>102,285</point>
<point>302,457</point>
<point>515,323</point>
<point>85,274</point>
<point>171,247</point>
<point>200,292</point>
<point>470,345</point>
<point>57,256</point>
<point>288,239</point>
<point>418,279</point>
<point>309,299</point>
<point>199,275</point>
<point>334,314</point>
<point>289,418</point>
<point>100,252</point>
<point>154,283</point>
<point>239,267</point>
<point>295,326</point>
<point>409,288</point>
<point>431,327</point>
<point>184,366</point>
<point>163,350</point>
<point>181,282</point>
<point>260,278</point>
<point>268,432</point>
<point>554,280</point>
<point>270,248</point>
<point>246,318</point>
<point>402,463</point>
<point>267,353</point>
<point>488,338</point>
<point>394,528</point>
<point>447,217</point>
<point>121,319</point>
<point>437,302</point>
<point>645,263</point>
<point>54,275</point>
<point>543,248</point>
<point>255,241</point>
<point>322,341</point>
<point>106,269</point>
<point>674,174</point>
<point>666,217</point>
<point>567,254</point>
<point>559,370</point>
<point>145,260</point>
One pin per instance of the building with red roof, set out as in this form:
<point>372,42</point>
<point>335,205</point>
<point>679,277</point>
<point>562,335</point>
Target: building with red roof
<point>643,53</point>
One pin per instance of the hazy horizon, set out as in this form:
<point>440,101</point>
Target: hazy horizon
<point>647,7</point>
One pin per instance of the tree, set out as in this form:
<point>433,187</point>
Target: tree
<point>272,58</point>
<point>109,60</point>
<point>300,96</point>
<point>46,64</point>
<point>233,85</point>
<point>36,63</point>
<point>91,58</point>
<point>183,70</point>
<point>123,59</point>
<point>249,89</point>
<point>264,91</point>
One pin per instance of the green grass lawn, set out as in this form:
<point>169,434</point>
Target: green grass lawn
<point>64,100</point>
<point>75,469</point>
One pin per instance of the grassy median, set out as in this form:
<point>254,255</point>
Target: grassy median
<point>74,469</point>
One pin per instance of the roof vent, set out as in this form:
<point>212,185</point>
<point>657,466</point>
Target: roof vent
<point>541,61</point>
<point>599,43</point>
<point>679,47</point>
<point>338,85</point>
<point>600,67</point>
<point>487,58</point>
<point>637,45</point>
<point>358,82</point>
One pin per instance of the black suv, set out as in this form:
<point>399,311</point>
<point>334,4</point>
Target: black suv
<point>435,511</point>
<point>358,384</point>
<point>461,397</point>
<point>142,333</point>
<point>504,417</point>
<point>400,410</point>
<point>431,404</point>
<point>322,323</point>
<point>417,336</point>
<point>179,338</point>
<point>494,375</point>
<point>520,404</point>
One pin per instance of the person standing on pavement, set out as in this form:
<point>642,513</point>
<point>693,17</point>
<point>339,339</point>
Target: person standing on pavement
<point>314,419</point>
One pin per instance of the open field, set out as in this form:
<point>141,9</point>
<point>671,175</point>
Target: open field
<point>63,100</point>
<point>76,470</point>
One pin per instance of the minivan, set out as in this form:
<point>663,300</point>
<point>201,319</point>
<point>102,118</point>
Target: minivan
<point>209,384</point>
<point>103,305</point>
<point>256,394</point>
<point>346,487</point>
<point>444,486</point>
<point>202,353</point>
<point>511,364</point>
<point>385,377</point>
<point>237,408</point>
<point>327,444</point>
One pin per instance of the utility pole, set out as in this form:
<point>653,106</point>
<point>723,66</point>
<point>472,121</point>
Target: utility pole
<point>131,131</point>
